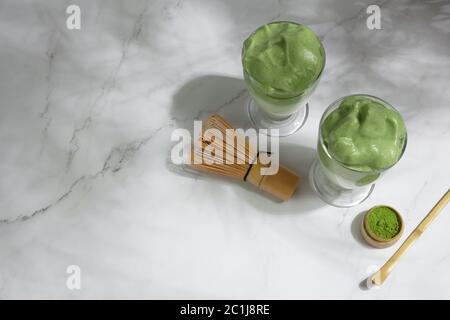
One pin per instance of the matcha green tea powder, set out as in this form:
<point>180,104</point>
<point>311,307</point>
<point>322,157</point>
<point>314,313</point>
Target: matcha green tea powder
<point>383,222</point>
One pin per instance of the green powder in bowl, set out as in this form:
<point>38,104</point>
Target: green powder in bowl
<point>383,222</point>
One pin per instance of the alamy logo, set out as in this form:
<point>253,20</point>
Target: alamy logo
<point>374,20</point>
<point>74,279</point>
<point>74,19</point>
<point>227,147</point>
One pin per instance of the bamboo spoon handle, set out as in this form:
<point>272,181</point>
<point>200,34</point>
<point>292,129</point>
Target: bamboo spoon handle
<point>379,277</point>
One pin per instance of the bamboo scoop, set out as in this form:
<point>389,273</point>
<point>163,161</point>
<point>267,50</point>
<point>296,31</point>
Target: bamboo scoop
<point>380,276</point>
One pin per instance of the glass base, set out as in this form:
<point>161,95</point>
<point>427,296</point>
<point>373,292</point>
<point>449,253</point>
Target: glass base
<point>333,194</point>
<point>285,127</point>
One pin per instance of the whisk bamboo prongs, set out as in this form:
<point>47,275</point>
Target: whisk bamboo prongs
<point>214,152</point>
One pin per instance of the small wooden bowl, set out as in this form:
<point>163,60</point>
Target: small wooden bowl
<point>378,242</point>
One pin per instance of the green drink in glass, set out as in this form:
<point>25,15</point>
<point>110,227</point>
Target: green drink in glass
<point>282,63</point>
<point>360,138</point>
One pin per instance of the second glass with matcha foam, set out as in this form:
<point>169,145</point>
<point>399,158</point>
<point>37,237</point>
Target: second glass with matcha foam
<point>360,137</point>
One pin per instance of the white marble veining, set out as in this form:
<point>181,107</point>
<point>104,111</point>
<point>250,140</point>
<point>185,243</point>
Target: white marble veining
<point>85,123</point>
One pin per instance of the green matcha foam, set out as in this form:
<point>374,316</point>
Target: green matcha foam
<point>284,58</point>
<point>363,134</point>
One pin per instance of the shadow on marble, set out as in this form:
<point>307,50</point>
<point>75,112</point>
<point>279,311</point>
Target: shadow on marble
<point>355,229</point>
<point>208,94</point>
<point>296,157</point>
<point>228,96</point>
<point>363,285</point>
<point>299,159</point>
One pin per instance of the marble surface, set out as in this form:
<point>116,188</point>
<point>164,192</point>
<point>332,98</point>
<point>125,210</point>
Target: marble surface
<point>85,123</point>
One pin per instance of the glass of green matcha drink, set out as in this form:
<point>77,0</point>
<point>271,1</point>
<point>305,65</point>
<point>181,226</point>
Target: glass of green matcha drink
<point>282,63</point>
<point>360,138</point>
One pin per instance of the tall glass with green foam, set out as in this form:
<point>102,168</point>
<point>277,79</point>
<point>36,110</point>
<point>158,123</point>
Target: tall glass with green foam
<point>282,63</point>
<point>360,138</point>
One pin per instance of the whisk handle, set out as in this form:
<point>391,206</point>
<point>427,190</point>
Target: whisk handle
<point>281,185</point>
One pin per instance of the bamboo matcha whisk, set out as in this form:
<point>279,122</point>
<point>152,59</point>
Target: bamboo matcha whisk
<point>238,160</point>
